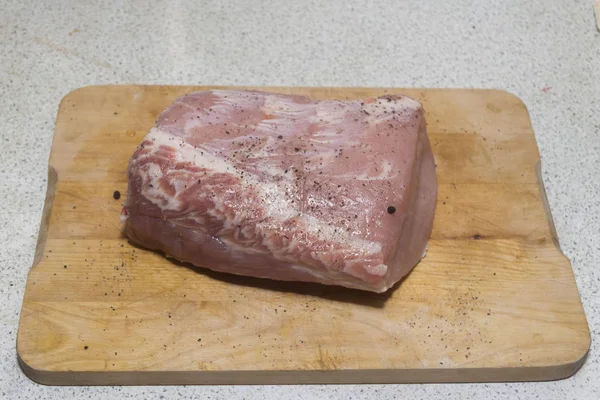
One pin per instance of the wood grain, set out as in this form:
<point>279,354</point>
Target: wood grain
<point>494,300</point>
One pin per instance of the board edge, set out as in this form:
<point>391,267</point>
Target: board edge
<point>49,377</point>
<point>300,377</point>
<point>45,219</point>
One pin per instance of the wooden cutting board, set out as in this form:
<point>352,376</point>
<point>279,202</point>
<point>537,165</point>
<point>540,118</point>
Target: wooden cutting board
<point>494,300</point>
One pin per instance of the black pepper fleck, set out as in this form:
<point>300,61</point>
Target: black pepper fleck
<point>391,209</point>
<point>116,195</point>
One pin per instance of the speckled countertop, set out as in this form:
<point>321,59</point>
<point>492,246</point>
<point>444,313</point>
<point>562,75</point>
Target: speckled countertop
<point>545,51</point>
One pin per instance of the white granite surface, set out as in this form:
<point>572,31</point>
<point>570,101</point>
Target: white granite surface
<point>545,51</point>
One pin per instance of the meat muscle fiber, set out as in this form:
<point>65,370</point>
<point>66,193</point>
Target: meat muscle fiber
<point>287,188</point>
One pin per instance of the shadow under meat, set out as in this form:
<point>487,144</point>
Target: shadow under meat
<point>333,293</point>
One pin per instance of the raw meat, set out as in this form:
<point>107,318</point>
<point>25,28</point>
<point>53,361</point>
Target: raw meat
<point>287,188</point>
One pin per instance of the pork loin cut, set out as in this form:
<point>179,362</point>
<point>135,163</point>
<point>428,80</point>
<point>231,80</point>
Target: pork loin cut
<point>287,188</point>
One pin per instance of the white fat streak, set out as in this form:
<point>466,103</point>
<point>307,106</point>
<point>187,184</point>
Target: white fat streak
<point>286,108</point>
<point>151,190</point>
<point>276,202</point>
<point>326,276</point>
<point>425,250</point>
<point>287,115</point>
<point>336,278</point>
<point>339,234</point>
<point>226,102</point>
<point>188,153</point>
<point>331,134</point>
<point>332,116</point>
<point>275,127</point>
<point>332,112</point>
<point>385,168</point>
<point>386,173</point>
<point>379,270</point>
